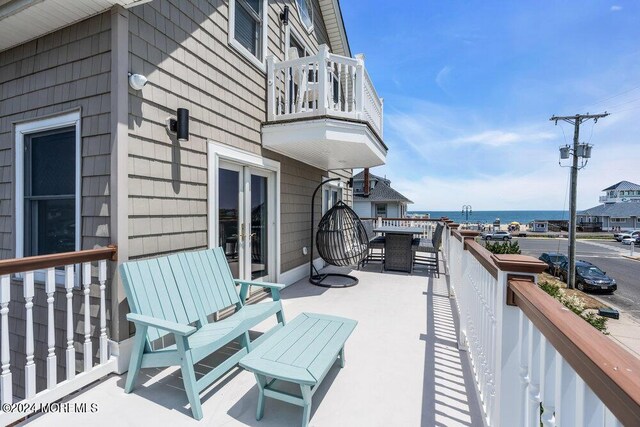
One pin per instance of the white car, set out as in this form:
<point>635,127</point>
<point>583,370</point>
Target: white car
<point>627,235</point>
<point>628,240</point>
<point>497,235</point>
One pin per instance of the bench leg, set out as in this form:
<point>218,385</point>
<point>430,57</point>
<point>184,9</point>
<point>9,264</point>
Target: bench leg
<point>280,317</point>
<point>262,383</point>
<point>189,377</point>
<point>342,359</point>
<point>245,341</point>
<point>306,411</point>
<point>136,357</point>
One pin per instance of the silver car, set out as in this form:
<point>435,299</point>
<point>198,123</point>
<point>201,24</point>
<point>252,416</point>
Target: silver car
<point>497,235</point>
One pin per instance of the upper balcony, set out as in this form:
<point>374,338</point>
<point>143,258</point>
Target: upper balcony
<point>324,111</point>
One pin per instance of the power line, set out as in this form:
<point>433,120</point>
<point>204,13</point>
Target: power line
<point>614,96</point>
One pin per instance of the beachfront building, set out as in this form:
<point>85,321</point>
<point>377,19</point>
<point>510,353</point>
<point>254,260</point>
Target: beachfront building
<point>164,126</point>
<point>619,208</point>
<point>373,197</point>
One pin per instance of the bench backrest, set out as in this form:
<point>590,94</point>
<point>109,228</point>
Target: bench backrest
<point>183,288</point>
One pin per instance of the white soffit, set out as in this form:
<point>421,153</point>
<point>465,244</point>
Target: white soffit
<point>24,20</point>
<point>328,144</point>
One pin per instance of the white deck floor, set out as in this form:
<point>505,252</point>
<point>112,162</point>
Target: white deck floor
<point>403,368</point>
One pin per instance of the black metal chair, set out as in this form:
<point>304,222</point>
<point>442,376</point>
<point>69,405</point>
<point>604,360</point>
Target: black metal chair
<point>375,243</point>
<point>430,247</point>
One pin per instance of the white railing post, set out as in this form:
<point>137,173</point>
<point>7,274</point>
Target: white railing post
<point>30,366</point>
<point>50,289</point>
<point>102,278</point>
<point>6,385</point>
<point>507,359</point>
<point>359,93</point>
<point>87,347</point>
<point>323,57</point>
<point>271,88</point>
<point>70,351</point>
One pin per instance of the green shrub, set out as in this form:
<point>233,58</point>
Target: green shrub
<point>575,304</point>
<point>503,247</point>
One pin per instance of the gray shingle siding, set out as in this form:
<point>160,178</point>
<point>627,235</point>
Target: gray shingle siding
<point>64,70</point>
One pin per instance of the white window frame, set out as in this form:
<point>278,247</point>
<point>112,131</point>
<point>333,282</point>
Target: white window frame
<point>35,126</point>
<point>327,190</point>
<point>261,64</point>
<point>310,28</point>
<point>291,32</point>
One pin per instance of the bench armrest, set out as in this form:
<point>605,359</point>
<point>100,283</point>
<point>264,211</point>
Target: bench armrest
<point>244,288</point>
<point>176,328</point>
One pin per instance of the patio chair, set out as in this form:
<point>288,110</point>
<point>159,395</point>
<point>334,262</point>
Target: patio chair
<point>398,252</point>
<point>375,242</point>
<point>430,247</point>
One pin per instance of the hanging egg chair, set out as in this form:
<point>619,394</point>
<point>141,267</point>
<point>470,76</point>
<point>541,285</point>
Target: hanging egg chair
<point>341,239</point>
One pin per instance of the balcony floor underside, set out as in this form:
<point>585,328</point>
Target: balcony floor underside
<point>402,368</point>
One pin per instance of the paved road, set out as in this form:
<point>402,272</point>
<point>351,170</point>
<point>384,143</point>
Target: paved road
<point>607,256</point>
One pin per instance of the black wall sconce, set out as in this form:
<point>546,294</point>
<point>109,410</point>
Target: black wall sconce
<point>284,16</point>
<point>179,124</point>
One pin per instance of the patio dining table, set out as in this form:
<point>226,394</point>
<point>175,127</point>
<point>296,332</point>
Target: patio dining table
<point>398,254</point>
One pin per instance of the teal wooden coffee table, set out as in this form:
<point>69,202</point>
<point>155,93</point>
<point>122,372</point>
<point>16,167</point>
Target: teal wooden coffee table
<point>302,352</point>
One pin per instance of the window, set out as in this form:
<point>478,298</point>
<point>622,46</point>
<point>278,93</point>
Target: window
<point>48,186</point>
<point>381,210</point>
<point>298,46</point>
<point>248,29</point>
<point>305,9</point>
<point>330,196</point>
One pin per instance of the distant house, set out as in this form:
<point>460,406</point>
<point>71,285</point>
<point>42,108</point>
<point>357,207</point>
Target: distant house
<point>373,197</point>
<point>620,208</point>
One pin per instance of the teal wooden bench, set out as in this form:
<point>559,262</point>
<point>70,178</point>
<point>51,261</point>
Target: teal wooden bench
<point>301,353</point>
<point>176,295</point>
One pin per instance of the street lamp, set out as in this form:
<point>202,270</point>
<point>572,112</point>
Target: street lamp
<point>467,211</point>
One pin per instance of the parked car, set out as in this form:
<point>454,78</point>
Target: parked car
<point>629,240</point>
<point>497,235</point>
<point>553,261</point>
<point>589,277</point>
<point>631,233</point>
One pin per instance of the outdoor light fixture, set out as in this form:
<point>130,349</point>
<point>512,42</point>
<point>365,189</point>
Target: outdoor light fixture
<point>564,152</point>
<point>137,81</point>
<point>284,16</point>
<point>180,124</point>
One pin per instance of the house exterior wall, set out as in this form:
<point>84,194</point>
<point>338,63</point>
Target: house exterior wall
<point>184,51</point>
<point>66,70</point>
<point>363,209</point>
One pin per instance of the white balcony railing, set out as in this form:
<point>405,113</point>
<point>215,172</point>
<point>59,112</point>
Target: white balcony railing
<point>47,284</point>
<point>534,362</point>
<point>322,85</point>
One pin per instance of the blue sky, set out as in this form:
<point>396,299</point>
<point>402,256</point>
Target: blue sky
<point>469,87</point>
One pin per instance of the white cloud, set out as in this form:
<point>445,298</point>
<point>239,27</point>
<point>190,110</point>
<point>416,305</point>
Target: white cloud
<point>616,8</point>
<point>443,76</point>
<point>500,138</point>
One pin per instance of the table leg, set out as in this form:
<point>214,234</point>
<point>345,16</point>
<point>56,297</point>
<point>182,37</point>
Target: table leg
<point>306,396</point>
<point>262,382</point>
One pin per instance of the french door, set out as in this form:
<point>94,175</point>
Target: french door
<point>246,220</point>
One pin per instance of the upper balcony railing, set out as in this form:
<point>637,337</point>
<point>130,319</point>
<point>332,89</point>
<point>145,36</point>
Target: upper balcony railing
<point>322,85</point>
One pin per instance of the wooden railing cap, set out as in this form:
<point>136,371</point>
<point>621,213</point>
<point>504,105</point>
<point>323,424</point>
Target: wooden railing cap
<point>453,225</point>
<point>519,263</point>
<point>469,234</point>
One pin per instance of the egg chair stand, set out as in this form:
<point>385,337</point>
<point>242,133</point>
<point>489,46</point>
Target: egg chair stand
<point>330,241</point>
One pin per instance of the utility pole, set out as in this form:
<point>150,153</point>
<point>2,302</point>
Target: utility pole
<point>583,151</point>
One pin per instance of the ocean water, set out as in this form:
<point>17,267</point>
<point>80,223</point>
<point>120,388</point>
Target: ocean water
<point>523,217</point>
